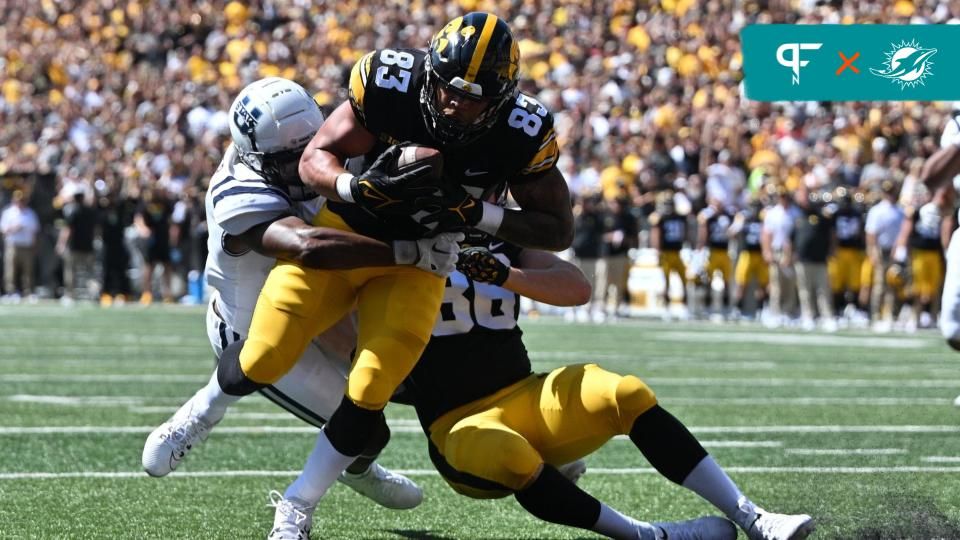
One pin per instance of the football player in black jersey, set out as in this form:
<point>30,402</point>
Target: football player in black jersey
<point>713,224</point>
<point>748,226</point>
<point>461,97</point>
<point>495,428</point>
<point>926,232</point>
<point>845,267</point>
<point>668,232</point>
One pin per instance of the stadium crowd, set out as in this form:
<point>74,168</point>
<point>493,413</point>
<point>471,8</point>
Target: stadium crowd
<point>113,117</point>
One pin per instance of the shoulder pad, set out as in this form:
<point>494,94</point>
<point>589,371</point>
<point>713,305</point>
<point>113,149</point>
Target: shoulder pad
<point>530,117</point>
<point>358,84</point>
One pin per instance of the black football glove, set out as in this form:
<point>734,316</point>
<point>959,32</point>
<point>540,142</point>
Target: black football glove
<point>480,264</point>
<point>451,210</point>
<point>381,193</point>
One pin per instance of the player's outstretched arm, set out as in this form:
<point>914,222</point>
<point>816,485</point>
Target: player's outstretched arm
<point>291,239</point>
<point>540,275</point>
<point>941,167</point>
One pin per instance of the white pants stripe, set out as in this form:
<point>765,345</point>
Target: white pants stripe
<point>311,390</point>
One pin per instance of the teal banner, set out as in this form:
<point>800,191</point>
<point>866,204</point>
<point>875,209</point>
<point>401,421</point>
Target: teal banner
<point>859,62</point>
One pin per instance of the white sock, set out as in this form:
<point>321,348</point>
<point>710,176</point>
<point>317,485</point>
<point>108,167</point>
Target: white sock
<point>211,402</point>
<point>320,472</point>
<point>709,481</point>
<point>616,525</point>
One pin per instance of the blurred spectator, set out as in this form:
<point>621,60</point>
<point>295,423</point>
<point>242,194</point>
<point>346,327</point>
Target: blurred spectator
<point>882,228</point>
<point>620,236</point>
<point>813,238</point>
<point>75,245</point>
<point>588,249</point>
<point>115,216</point>
<point>19,226</point>
<point>152,221</point>
<point>778,224</point>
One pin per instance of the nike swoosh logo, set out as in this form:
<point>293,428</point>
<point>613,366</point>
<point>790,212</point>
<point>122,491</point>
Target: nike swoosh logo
<point>469,172</point>
<point>495,245</point>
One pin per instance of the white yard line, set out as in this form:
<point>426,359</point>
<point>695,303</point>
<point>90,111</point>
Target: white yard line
<point>810,401</point>
<point>411,426</point>
<point>136,404</point>
<point>951,384</point>
<point>814,340</point>
<point>147,378</point>
<point>431,472</point>
<point>941,459</point>
<point>828,429</point>
<point>845,451</point>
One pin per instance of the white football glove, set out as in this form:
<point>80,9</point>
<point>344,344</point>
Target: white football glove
<point>437,255</point>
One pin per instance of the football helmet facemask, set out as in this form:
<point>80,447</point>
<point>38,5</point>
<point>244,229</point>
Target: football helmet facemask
<point>271,122</point>
<point>473,58</point>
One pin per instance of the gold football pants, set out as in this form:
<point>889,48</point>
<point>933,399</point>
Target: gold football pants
<point>719,261</point>
<point>396,309</point>
<point>845,269</point>
<point>926,268</point>
<point>750,266</point>
<point>670,261</point>
<point>495,446</point>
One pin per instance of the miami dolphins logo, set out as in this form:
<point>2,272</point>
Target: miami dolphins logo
<point>907,64</point>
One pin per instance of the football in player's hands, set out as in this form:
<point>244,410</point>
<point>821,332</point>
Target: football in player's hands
<point>413,157</point>
<point>480,264</point>
<point>400,175</point>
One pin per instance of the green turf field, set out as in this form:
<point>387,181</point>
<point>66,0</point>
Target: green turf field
<point>854,429</point>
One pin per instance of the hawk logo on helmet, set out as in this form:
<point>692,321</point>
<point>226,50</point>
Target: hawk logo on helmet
<point>477,57</point>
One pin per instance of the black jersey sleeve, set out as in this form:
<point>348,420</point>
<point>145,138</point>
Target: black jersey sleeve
<point>384,91</point>
<point>533,123</point>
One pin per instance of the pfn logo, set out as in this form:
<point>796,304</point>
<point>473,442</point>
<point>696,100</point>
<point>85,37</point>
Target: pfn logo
<point>794,62</point>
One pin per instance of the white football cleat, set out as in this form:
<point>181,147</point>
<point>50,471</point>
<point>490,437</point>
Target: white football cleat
<point>956,402</point>
<point>704,528</point>
<point>762,525</point>
<point>573,470</point>
<point>292,520</point>
<point>384,487</point>
<point>167,445</point>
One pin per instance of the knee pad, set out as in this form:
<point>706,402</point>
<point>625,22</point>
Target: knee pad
<point>351,427</point>
<point>378,439</point>
<point>634,398</point>
<point>230,374</point>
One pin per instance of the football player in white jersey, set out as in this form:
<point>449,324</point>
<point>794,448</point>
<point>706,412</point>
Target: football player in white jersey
<point>255,217</point>
<point>943,167</point>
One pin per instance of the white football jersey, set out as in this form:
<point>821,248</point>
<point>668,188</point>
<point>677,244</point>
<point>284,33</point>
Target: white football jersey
<point>239,198</point>
<point>949,137</point>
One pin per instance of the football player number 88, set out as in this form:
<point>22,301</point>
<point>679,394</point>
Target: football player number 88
<point>489,307</point>
<point>404,61</point>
